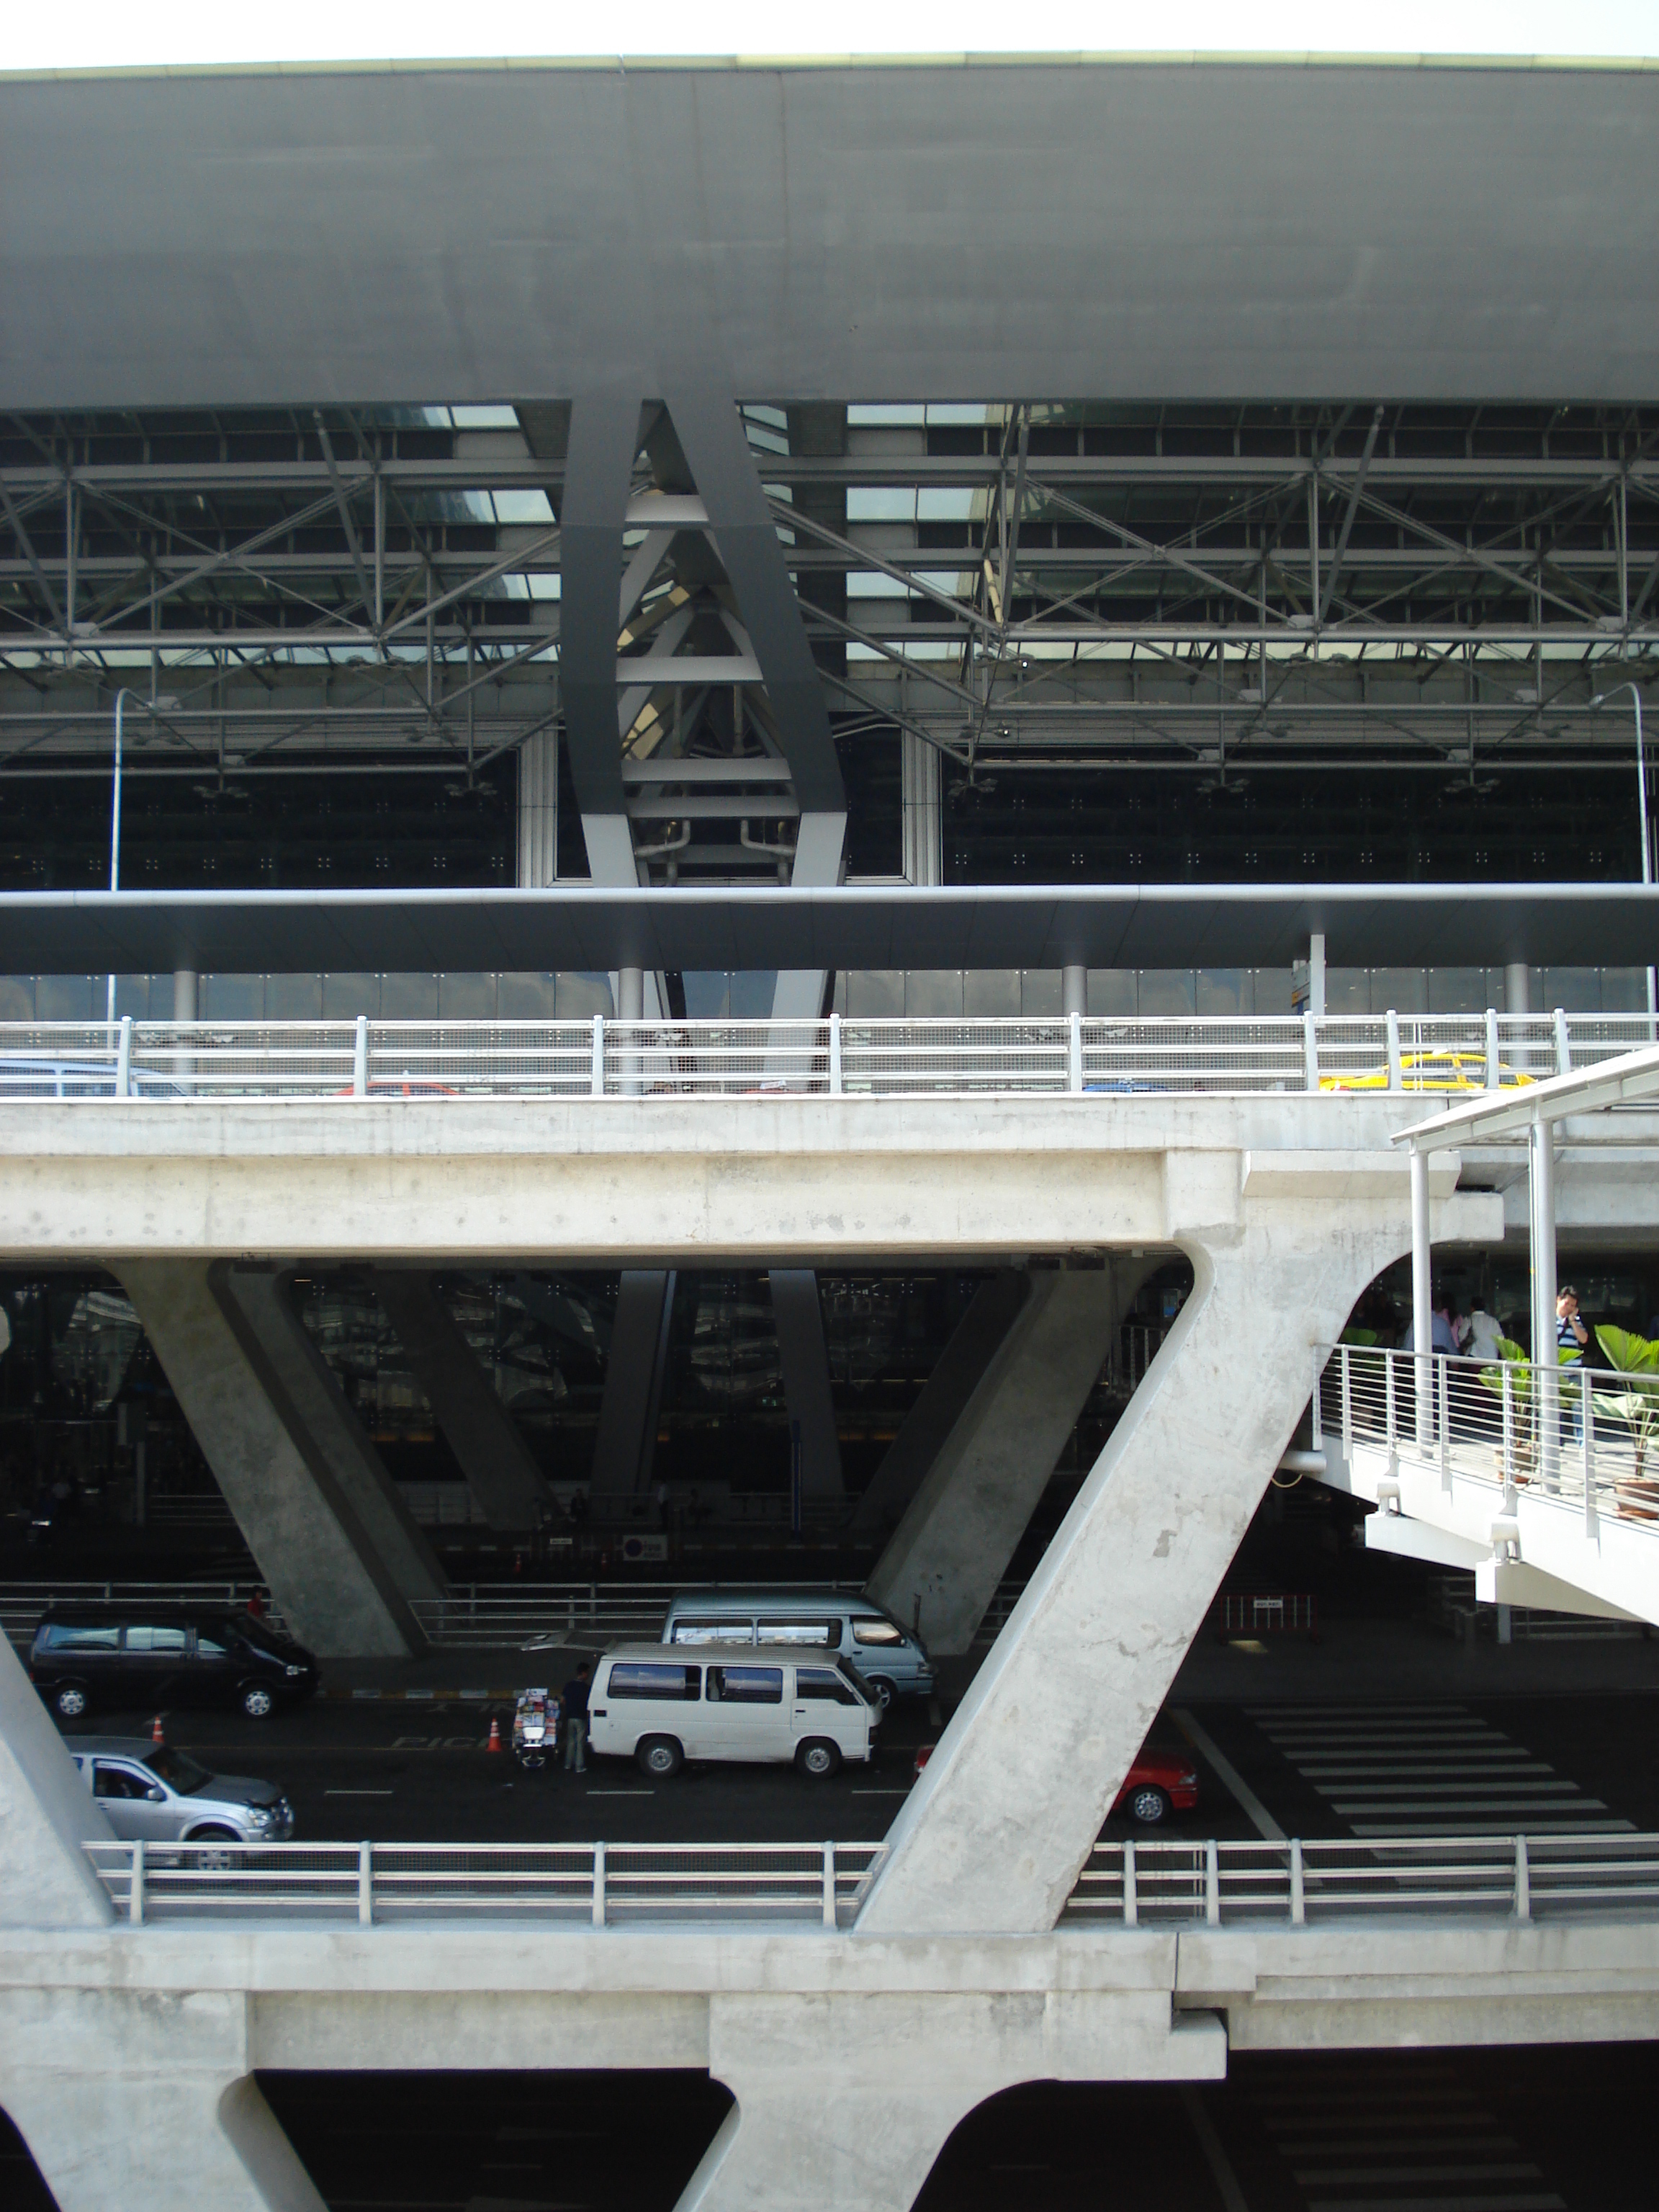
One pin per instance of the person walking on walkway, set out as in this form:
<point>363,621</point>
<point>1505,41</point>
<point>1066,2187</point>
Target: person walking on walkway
<point>574,1705</point>
<point>1572,1349</point>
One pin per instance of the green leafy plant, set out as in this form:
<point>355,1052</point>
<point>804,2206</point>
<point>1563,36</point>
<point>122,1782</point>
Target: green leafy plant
<point>1636,1359</point>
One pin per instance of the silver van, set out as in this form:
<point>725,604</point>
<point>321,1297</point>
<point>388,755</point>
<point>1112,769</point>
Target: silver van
<point>888,1658</point>
<point>662,1705</point>
<point>151,1791</point>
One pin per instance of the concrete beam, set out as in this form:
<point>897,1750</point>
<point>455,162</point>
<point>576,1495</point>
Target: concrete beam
<point>46,1815</point>
<point>311,1519</point>
<point>945,1560</point>
<point>627,1438</point>
<point>807,1390</point>
<point>924,1429</point>
<point>1059,1708</point>
<point>505,1480</point>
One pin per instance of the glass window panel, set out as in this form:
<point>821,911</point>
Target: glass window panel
<point>877,1632</point>
<point>880,503</point>
<point>821,1632</point>
<point>1167,991</point>
<point>1348,990</point>
<point>746,1685</point>
<point>823,1684</point>
<point>1577,990</point>
<point>1404,990</point>
<point>1270,990</point>
<point>712,1631</point>
<point>1459,991</point>
<point>147,1635</point>
<point>350,993</point>
<point>752,992</point>
<point>1223,991</point>
<point>17,997</point>
<point>293,998</point>
<point>1624,990</point>
<point>874,993</point>
<point>642,1678</point>
<point>1112,993</point>
<point>1039,993</point>
<point>526,998</point>
<point>409,998</point>
<point>708,994</point>
<point>582,995</point>
<point>465,998</point>
<point>933,994</point>
<point>991,993</point>
<point>67,997</point>
<point>233,999</point>
<point>66,1635</point>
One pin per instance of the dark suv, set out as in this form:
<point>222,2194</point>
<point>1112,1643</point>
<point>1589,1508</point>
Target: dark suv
<point>141,1661</point>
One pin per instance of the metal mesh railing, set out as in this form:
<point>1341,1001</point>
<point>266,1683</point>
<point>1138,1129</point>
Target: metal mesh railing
<point>1090,1055</point>
<point>1521,1878</point>
<point>1586,1437</point>
<point>22,1604</point>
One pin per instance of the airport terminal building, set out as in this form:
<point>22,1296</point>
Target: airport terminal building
<point>757,812</point>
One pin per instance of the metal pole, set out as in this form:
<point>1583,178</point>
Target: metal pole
<point>1422,1324</point>
<point>1601,700</point>
<point>1545,1364</point>
<point>115,830</point>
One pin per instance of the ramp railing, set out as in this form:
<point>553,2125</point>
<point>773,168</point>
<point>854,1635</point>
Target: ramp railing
<point>428,1063</point>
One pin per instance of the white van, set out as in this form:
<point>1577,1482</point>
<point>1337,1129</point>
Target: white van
<point>664,1705</point>
<point>889,1661</point>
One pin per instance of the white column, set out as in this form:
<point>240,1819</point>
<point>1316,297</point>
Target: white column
<point>1316,975</point>
<point>1422,1318</point>
<point>1073,988</point>
<point>1541,1163</point>
<point>1517,988</point>
<point>183,995</point>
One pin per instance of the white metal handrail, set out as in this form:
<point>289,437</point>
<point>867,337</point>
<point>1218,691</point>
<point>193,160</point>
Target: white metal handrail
<point>1587,1437</point>
<point>1519,1878</point>
<point>426,1062</point>
<point>22,1604</point>
<point>1130,1884</point>
<point>595,1885</point>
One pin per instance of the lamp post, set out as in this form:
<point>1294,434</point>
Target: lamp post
<point>163,704</point>
<point>1601,700</point>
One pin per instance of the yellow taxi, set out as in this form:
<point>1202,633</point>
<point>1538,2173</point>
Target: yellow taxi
<point>1432,1071</point>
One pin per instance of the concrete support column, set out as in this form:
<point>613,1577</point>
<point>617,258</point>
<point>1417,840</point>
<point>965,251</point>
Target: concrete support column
<point>630,995</point>
<point>1034,1754</point>
<point>845,2099</point>
<point>1316,975</point>
<point>943,1563</point>
<point>118,2094</point>
<point>318,1510</point>
<point>926,1427</point>
<point>503,1478</point>
<point>183,995</point>
<point>1517,988</point>
<point>627,1438</point>
<point>1074,989</point>
<point>806,1383</point>
<point>46,1815</point>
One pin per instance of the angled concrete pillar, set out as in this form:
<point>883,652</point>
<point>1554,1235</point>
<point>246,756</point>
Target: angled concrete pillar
<point>627,1438</point>
<point>46,1815</point>
<point>117,2094</point>
<point>944,1561</point>
<point>923,1433</point>
<point>1034,1754</point>
<point>807,1390</point>
<point>305,1486</point>
<point>504,1480</point>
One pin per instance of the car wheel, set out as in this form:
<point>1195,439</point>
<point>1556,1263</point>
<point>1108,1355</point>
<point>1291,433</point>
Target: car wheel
<point>210,1856</point>
<point>257,1702</point>
<point>68,1701</point>
<point>659,1756</point>
<point>817,1757</point>
<point>1148,1807</point>
<point>881,1690</point>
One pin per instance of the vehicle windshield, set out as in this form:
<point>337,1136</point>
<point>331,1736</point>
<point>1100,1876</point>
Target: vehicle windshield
<point>178,1770</point>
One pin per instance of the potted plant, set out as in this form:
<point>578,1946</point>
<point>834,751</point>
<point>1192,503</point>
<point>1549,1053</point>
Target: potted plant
<point>1637,1359</point>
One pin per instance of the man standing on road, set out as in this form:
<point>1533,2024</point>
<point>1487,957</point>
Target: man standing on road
<point>574,1706</point>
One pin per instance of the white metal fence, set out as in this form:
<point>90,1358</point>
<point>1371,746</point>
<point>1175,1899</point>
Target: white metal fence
<point>1521,1878</point>
<point>22,1604</point>
<point>597,1885</point>
<point>1516,1878</point>
<point>1585,1435</point>
<point>430,1061</point>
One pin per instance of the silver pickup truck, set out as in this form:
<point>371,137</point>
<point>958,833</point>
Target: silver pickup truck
<point>151,1791</point>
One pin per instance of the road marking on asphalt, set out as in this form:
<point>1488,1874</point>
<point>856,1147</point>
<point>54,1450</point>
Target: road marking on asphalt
<point>881,1793</point>
<point>620,1793</point>
<point>356,1793</point>
<point>1230,1777</point>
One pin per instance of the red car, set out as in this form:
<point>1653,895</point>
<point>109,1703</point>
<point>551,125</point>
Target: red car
<point>1159,1784</point>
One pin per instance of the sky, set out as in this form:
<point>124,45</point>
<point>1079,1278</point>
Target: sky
<point>102,34</point>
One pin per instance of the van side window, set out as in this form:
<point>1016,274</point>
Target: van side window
<point>711,1631</point>
<point>823,1683</point>
<point>746,1685</point>
<point>64,1636</point>
<point>157,1639</point>
<point>822,1633</point>
<point>637,1678</point>
<point>877,1632</point>
<point>117,1782</point>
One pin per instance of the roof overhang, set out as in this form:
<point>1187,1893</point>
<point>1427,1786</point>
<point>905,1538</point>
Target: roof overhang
<point>995,927</point>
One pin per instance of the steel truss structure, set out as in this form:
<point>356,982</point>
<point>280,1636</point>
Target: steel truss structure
<point>1198,587</point>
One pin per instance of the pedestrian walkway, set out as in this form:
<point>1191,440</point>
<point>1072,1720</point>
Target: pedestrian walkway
<point>1428,1770</point>
<point>1360,2138</point>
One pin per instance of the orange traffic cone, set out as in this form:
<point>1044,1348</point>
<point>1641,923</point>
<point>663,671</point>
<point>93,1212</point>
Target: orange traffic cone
<point>156,1736</point>
<point>495,1742</point>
